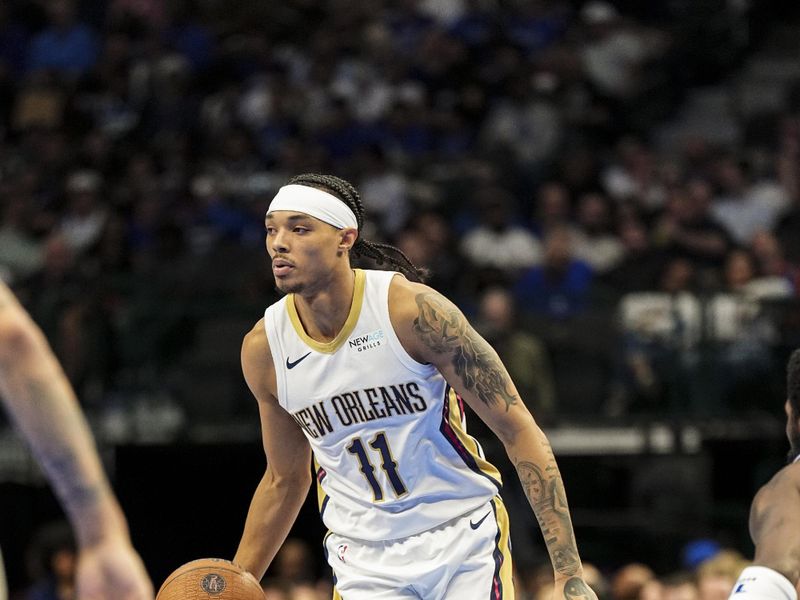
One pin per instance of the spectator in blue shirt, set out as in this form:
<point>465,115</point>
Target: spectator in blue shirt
<point>559,287</point>
<point>66,46</point>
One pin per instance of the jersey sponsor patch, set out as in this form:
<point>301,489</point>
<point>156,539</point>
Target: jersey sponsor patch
<point>368,341</point>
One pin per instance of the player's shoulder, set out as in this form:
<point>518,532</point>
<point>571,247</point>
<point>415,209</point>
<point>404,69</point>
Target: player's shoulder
<point>789,476</point>
<point>407,298</point>
<point>255,345</point>
<point>402,289</point>
<point>779,494</point>
<point>786,481</point>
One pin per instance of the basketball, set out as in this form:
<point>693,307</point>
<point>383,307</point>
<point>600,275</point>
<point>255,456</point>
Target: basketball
<point>210,579</point>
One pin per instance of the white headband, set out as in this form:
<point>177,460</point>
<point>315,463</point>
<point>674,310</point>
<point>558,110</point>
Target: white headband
<point>316,203</point>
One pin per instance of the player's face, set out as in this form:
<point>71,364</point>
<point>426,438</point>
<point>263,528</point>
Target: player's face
<point>303,250</point>
<point>792,431</point>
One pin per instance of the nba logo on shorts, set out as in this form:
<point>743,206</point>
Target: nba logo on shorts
<point>213,584</point>
<point>340,551</point>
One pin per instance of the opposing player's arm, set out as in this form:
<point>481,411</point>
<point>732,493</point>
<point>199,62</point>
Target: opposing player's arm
<point>774,519</point>
<point>433,330</point>
<point>282,490</point>
<point>43,406</point>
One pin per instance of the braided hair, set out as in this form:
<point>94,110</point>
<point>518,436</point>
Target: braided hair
<point>793,382</point>
<point>380,253</point>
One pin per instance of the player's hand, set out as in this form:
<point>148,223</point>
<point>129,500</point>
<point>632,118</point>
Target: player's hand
<point>112,570</point>
<point>572,588</point>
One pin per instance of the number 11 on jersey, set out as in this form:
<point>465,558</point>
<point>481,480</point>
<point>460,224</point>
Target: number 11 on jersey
<point>388,464</point>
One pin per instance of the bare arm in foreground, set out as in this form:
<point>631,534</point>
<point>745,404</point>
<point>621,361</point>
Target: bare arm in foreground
<point>44,409</point>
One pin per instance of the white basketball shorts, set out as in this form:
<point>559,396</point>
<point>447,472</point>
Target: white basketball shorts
<point>468,558</point>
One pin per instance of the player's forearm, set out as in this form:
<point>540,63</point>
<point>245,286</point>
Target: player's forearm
<point>272,513</point>
<point>536,466</point>
<point>43,406</point>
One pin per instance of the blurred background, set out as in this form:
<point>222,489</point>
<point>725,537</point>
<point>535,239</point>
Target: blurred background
<point>609,190</point>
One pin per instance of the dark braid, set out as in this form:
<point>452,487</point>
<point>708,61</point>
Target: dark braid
<point>380,253</point>
<point>793,382</point>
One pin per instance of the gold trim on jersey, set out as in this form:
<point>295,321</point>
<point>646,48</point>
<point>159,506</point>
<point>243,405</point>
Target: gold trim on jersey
<point>468,441</point>
<point>322,497</point>
<point>347,328</point>
<point>506,572</point>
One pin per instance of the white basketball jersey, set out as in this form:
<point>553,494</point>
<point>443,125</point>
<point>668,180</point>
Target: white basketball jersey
<point>391,454</point>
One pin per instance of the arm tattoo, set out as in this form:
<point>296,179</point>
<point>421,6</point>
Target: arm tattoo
<point>576,589</point>
<point>549,501</point>
<point>443,329</point>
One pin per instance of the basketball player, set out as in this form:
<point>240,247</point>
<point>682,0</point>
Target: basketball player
<point>368,371</point>
<point>43,406</point>
<point>775,516</point>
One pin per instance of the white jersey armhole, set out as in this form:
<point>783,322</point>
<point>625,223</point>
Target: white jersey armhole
<point>422,369</point>
<point>272,329</point>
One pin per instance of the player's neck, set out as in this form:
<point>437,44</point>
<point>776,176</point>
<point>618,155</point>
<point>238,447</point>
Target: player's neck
<point>323,313</point>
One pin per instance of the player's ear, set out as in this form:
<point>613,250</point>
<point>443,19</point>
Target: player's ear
<point>347,238</point>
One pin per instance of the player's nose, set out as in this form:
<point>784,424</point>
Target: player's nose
<point>278,243</point>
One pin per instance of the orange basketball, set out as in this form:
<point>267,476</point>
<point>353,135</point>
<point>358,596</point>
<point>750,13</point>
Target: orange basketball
<point>210,579</point>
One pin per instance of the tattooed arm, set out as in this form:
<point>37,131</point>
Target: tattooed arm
<point>434,331</point>
<point>43,406</point>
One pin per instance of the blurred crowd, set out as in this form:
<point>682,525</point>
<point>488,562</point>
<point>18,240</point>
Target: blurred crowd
<point>506,146</point>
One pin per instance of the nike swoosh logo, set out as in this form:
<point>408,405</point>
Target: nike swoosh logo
<point>293,364</point>
<point>478,524</point>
